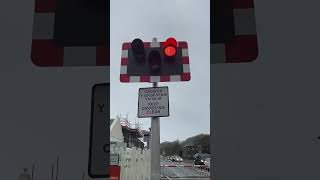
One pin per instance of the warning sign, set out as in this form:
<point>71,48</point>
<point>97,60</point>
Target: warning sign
<point>153,102</point>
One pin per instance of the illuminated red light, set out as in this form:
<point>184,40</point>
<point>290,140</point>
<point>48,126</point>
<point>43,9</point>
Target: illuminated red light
<point>170,51</point>
<point>170,47</point>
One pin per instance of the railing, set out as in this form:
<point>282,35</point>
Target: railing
<point>185,171</point>
<point>134,162</point>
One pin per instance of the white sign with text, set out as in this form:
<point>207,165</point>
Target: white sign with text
<point>153,102</point>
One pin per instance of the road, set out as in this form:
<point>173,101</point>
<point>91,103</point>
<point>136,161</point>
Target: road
<point>182,170</point>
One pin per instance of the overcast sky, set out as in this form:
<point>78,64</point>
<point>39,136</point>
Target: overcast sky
<point>185,20</point>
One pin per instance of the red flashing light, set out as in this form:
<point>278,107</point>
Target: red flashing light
<point>170,47</point>
<point>170,51</point>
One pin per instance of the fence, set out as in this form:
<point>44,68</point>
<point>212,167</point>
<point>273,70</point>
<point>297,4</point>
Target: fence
<point>185,171</point>
<point>134,162</point>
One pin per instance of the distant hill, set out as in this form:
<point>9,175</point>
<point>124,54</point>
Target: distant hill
<point>199,139</point>
<point>175,147</point>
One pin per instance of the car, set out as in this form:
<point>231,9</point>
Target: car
<point>200,158</point>
<point>207,162</point>
<point>178,159</point>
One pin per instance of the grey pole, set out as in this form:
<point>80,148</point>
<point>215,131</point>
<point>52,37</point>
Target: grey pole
<point>155,146</point>
<point>155,142</point>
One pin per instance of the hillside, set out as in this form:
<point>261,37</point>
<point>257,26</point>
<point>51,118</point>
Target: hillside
<point>175,147</point>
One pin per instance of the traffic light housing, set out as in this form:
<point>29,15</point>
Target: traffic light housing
<point>71,33</point>
<point>155,61</point>
<point>138,50</point>
<point>233,36</point>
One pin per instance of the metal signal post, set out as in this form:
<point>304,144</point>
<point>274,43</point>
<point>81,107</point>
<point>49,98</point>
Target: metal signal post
<point>155,146</point>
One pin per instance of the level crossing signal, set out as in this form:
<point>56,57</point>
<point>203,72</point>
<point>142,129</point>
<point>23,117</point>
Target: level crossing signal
<point>155,61</point>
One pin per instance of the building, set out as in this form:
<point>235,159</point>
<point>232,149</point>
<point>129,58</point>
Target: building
<point>188,151</point>
<point>116,134</point>
<point>132,134</point>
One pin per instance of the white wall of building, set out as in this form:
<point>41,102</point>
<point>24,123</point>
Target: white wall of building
<point>116,134</point>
